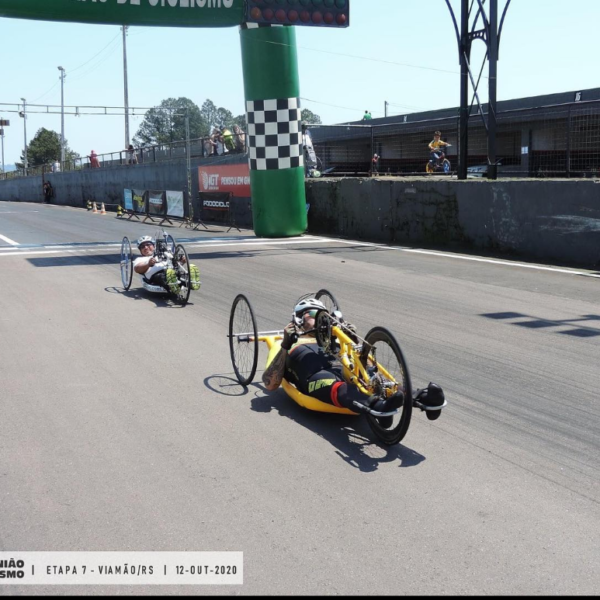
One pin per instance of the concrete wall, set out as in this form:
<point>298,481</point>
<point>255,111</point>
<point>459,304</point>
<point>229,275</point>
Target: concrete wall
<point>555,221</point>
<point>546,220</point>
<point>106,184</point>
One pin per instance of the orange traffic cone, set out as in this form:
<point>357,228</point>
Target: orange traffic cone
<point>95,209</point>
<point>103,211</point>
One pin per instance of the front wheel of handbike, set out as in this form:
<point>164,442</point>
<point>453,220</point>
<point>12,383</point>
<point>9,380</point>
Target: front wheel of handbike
<point>428,168</point>
<point>392,368</point>
<point>328,299</point>
<point>126,263</point>
<point>243,340</point>
<point>181,264</point>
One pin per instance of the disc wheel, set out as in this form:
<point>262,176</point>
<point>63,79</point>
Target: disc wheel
<point>181,264</point>
<point>126,263</point>
<point>328,299</point>
<point>390,366</point>
<point>243,340</point>
<point>446,165</point>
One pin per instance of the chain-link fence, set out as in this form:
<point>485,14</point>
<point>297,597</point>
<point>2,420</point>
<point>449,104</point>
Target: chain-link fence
<point>551,141</point>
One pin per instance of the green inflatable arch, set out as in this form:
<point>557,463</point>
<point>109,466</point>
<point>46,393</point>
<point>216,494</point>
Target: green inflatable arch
<point>270,65</point>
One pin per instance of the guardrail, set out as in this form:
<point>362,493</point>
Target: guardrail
<point>201,147</point>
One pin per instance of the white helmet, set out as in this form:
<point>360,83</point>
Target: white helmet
<point>306,305</point>
<point>145,239</point>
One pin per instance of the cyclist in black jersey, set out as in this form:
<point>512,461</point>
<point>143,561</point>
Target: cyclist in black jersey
<point>315,373</point>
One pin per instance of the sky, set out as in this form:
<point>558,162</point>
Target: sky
<point>400,51</point>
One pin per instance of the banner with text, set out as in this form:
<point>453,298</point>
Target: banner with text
<point>225,178</point>
<point>139,201</point>
<point>175,204</point>
<point>156,203</point>
<point>128,199</point>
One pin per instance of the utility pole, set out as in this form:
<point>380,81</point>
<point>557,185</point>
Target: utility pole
<point>24,115</point>
<point>385,107</point>
<point>3,123</point>
<point>464,46</point>
<point>127,142</point>
<point>492,87</point>
<point>62,118</point>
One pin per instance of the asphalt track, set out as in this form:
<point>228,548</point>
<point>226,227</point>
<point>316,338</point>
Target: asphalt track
<point>122,426</point>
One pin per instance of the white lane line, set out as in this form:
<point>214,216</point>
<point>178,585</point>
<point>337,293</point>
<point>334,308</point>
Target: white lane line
<point>491,261</point>
<point>8,240</point>
<point>200,244</point>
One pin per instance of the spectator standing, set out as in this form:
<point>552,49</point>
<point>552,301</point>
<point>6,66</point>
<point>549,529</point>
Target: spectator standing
<point>367,116</point>
<point>240,139</point>
<point>217,138</point>
<point>375,164</point>
<point>94,162</point>
<point>131,155</point>
<point>228,140</point>
<point>48,192</point>
<point>56,167</point>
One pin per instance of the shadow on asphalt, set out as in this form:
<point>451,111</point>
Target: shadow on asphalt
<point>350,436</point>
<point>114,259</point>
<point>160,300</point>
<point>577,326</point>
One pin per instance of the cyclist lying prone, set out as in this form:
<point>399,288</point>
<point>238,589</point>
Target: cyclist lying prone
<point>316,374</point>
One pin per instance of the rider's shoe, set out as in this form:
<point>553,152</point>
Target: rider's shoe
<point>431,396</point>
<point>172,281</point>
<point>387,405</point>
<point>194,277</point>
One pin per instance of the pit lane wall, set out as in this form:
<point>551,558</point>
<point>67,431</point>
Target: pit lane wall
<point>554,221</point>
<point>547,220</point>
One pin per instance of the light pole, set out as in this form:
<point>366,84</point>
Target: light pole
<point>24,115</point>
<point>124,28</point>
<point>62,118</point>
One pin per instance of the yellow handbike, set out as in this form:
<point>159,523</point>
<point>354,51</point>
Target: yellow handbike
<point>374,364</point>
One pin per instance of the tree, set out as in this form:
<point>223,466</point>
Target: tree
<point>44,149</point>
<point>310,117</point>
<point>217,117</point>
<point>166,123</point>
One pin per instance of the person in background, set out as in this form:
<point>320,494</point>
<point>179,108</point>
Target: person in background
<point>228,140</point>
<point>131,155</point>
<point>48,192</point>
<point>367,116</point>
<point>94,162</point>
<point>239,139</point>
<point>375,164</point>
<point>56,167</point>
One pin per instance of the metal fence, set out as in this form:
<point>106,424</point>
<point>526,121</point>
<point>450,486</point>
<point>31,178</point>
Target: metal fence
<point>550,141</point>
<point>201,147</point>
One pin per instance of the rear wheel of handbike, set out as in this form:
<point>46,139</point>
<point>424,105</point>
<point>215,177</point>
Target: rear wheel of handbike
<point>181,264</point>
<point>389,357</point>
<point>126,263</point>
<point>243,340</point>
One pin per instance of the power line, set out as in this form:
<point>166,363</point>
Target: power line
<point>379,60</point>
<point>93,57</point>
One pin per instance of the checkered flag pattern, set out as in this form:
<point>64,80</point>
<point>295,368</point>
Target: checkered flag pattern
<point>274,134</point>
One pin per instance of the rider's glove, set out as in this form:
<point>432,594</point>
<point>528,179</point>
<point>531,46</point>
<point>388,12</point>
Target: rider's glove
<point>290,337</point>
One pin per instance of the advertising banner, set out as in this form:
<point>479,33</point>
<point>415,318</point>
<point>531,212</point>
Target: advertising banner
<point>225,178</point>
<point>165,13</point>
<point>128,199</point>
<point>175,204</point>
<point>156,203</point>
<point>139,201</point>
